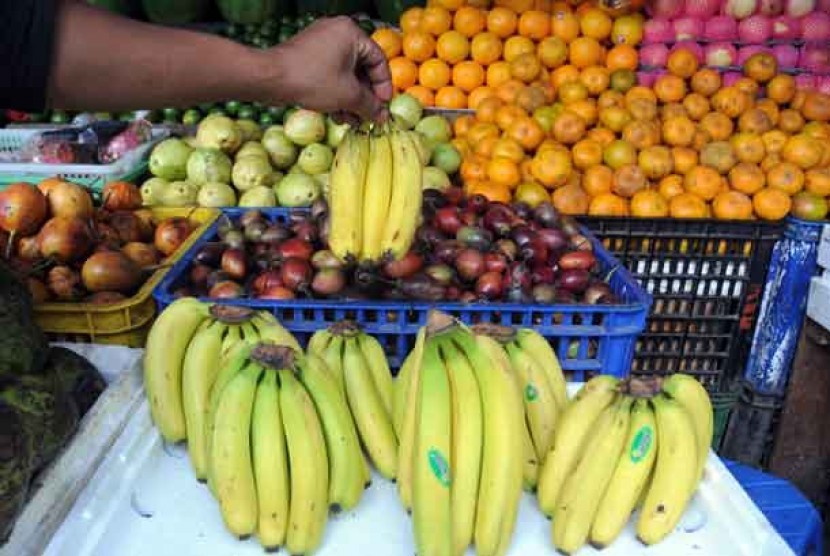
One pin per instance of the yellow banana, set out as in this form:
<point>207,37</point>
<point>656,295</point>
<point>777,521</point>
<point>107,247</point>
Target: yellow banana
<point>689,393</point>
<point>231,453</point>
<point>164,355</point>
<point>405,204</point>
<point>232,337</point>
<point>379,367</point>
<point>346,461</point>
<point>333,357</point>
<point>250,335</point>
<point>377,193</point>
<point>373,422</point>
<point>630,476</point>
<point>319,341</point>
<point>575,425</point>
<point>410,384</point>
<point>467,440</point>
<point>537,395</point>
<point>270,460</point>
<point>530,470</point>
<point>432,514</point>
<point>270,330</point>
<point>535,345</point>
<point>675,471</point>
<point>577,506</point>
<point>201,365</point>
<point>348,177</point>
<point>308,464</point>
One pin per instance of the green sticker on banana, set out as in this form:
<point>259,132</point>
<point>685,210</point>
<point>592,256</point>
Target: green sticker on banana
<point>531,393</point>
<point>641,444</point>
<point>440,466</point>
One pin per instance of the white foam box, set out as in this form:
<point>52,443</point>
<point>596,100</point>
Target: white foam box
<point>145,500</point>
<point>818,303</point>
<point>824,248</point>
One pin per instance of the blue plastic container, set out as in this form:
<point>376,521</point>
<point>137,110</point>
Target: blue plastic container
<point>588,339</point>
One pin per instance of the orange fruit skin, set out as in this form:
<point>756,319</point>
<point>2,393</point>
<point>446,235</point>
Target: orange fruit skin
<point>786,177</point>
<point>452,47</point>
<point>469,21</point>
<point>747,178</point>
<point>771,204</point>
<point>534,24</point>
<point>732,205</point>
<point>424,95</point>
<point>671,186</point>
<point>502,22</point>
<point>434,74</point>
<point>450,97</point>
<point>418,46</point>
<point>571,199</point>
<point>687,205</point>
<point>649,203</point>
<point>703,181</point>
<point>389,41</point>
<point>404,73</point>
<point>608,204</point>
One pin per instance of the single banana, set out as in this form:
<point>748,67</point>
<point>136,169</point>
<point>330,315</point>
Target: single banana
<point>319,341</point>
<point>373,422</point>
<point>577,506</point>
<point>675,471</point>
<point>164,355</point>
<point>501,477</point>
<point>689,393</point>
<point>270,330</point>
<point>231,453</point>
<point>432,513</point>
<point>250,335</point>
<point>270,460</point>
<point>530,471</point>
<point>333,357</point>
<point>201,365</point>
<point>575,426</point>
<point>308,465</point>
<point>346,462</point>
<point>232,337</point>
<point>408,411</point>
<point>348,177</point>
<point>535,345</point>
<point>379,367</point>
<point>467,441</point>
<point>377,193</point>
<point>537,395</point>
<point>405,204</point>
<point>630,477</point>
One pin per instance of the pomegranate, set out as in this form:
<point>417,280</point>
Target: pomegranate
<point>665,8</point>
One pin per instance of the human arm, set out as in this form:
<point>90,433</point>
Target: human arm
<point>105,62</point>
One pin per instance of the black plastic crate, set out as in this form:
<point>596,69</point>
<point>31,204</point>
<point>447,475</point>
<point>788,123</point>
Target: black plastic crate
<point>706,277</point>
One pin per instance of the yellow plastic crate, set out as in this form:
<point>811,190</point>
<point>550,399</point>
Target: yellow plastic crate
<point>128,322</point>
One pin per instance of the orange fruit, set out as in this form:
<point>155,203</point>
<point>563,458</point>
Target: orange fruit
<point>571,199</point>
<point>450,97</point>
<point>615,118</point>
<point>610,98</point>
<point>435,20</point>
<point>478,95</point>
<point>673,110</point>
<point>781,88</point>
<point>639,92</point>
<point>622,56</point>
<point>584,52</point>
<point>603,136</point>
<point>608,204</point>
<point>572,91</point>
<point>552,52</point>
<point>462,146</point>
<point>687,205</point>
<point>404,73</point>
<point>502,22</point>
<point>596,24</point>
<point>656,162</point>
<point>771,204</point>
<point>817,181</point>
<point>748,147</point>
<point>642,134</point>
<point>718,155</point>
<point>462,125</point>
<point>731,101</point>
<point>525,166</point>
<point>816,107</point>
<point>718,125</point>
<point>619,153</point>
<point>527,132</point>
<point>568,128</point>
<point>418,46</point>
<point>597,180</point>
<point>518,6</point>
<point>565,26</point>
<point>473,168</point>
<point>790,120</point>
<point>755,120</point>
<point>682,63</point>
<point>564,74</point>
<point>508,148</point>
<point>683,159</point>
<point>627,30</point>
<point>434,74</point>
<point>787,177</point>
<point>596,79</point>
<point>467,75</point>
<point>585,109</point>
<point>484,148</point>
<point>770,109</point>
<point>525,67</point>
<point>480,131</point>
<point>703,182</point>
<point>747,85</point>
<point>628,180</point>
<point>498,73</point>
<point>424,95</point>
<point>586,153</point>
<point>534,24</point>
<point>503,171</point>
<point>389,41</point>
<point>411,19</point>
<point>622,80</point>
<point>769,162</point>
<point>732,205</point>
<point>803,151</point>
<point>508,90</point>
<point>670,88</point>
<point>761,67</point>
<point>486,109</point>
<point>551,167</point>
<point>642,109</point>
<point>485,48</point>
<point>774,140</point>
<point>494,192</point>
<point>530,98</point>
<point>449,5</point>
<point>452,47</point>
<point>696,106</point>
<point>678,131</point>
<point>747,178</point>
<point>648,203</point>
<point>507,115</point>
<point>671,186</point>
<point>530,193</point>
<point>517,45</point>
<point>469,21</point>
<point>706,81</point>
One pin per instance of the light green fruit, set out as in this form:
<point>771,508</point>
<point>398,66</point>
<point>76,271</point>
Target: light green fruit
<point>251,148</point>
<point>280,148</point>
<point>151,191</point>
<point>435,178</point>
<point>315,158</point>
<point>207,165</point>
<point>406,110</point>
<point>259,196</point>
<point>169,159</point>
<point>249,130</point>
<point>446,157</point>
<point>219,132</point>
<point>297,190</point>
<point>435,128</point>
<point>180,194</point>
<point>215,195</point>
<point>252,171</point>
<point>324,180</point>
<point>335,133</point>
<point>305,127</point>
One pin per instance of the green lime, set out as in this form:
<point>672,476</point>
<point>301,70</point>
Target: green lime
<point>103,115</point>
<point>288,111</point>
<point>246,113</point>
<point>171,114</point>
<point>232,106</point>
<point>622,80</point>
<point>233,30</point>
<point>205,107</point>
<point>126,116</point>
<point>286,20</point>
<point>367,26</point>
<point>277,112</point>
<point>191,117</point>
<point>266,119</point>
<point>250,28</point>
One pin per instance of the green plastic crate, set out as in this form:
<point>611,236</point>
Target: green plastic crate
<point>722,404</point>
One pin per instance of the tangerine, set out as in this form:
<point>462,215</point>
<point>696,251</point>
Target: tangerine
<point>597,180</point>
<point>486,109</point>
<point>781,88</point>
<point>615,118</point>
<point>552,167</point>
<point>435,20</point>
<point>467,75</point>
<point>571,199</point>
<point>450,97</point>
<point>678,131</point>
<point>478,95</point>
<point>696,106</point>
<point>803,151</point>
<point>473,169</point>
<point>670,88</point>
<point>684,159</point>
<point>486,48</point>
<point>768,107</point>
<point>531,193</point>
<point>628,180</point>
<point>508,148</point>
<point>534,24</point>
<point>503,171</point>
<point>493,192</point>
<point>656,162</point>
<point>623,80</point>
<point>565,25</point>
<point>424,95</point>
<point>718,155</point>
<point>608,204</point>
<point>790,121</point>
<point>552,52</point>
<point>682,63</point>
<point>462,125</point>
<point>527,132</point>
<point>586,153</point>
<point>718,125</point>
<point>517,45</point>
<point>619,153</point>
<point>817,181</point>
<point>732,205</point>
<point>584,52</point>
<point>642,134</point>
<point>816,107</point>
<point>627,30</point>
<point>671,186</point>
<point>418,46</point>
<point>688,205</point>
<point>761,67</point>
<point>747,178</point>
<point>706,81</point>
<point>642,109</point>
<point>411,19</point>
<point>596,24</point>
<point>469,21</point>
<point>731,101</point>
<point>755,120</point>
<point>562,75</point>
<point>748,147</point>
<point>452,47</point>
<point>530,98</point>
<point>508,114</point>
<point>787,177</point>
<point>498,73</point>
<point>703,181</point>
<point>771,204</point>
<point>434,74</point>
<point>648,203</point>
<point>525,67</point>
<point>404,73</point>
<point>502,22</point>
<point>389,41</point>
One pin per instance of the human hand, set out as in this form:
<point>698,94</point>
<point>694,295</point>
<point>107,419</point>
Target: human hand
<point>333,66</point>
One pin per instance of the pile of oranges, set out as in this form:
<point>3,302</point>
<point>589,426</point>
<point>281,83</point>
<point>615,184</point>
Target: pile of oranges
<point>453,54</point>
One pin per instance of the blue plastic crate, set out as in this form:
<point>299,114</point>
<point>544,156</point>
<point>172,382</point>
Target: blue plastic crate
<point>588,339</point>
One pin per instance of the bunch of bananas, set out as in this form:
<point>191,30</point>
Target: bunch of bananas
<point>623,444</point>
<point>375,194</point>
<point>458,413</point>
<point>362,373</point>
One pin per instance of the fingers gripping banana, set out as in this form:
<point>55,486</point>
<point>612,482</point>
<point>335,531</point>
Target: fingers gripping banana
<point>373,422</point>
<point>379,367</point>
<point>538,398</point>
<point>410,397</point>
<point>308,464</point>
<point>348,177</point>
<point>630,476</point>
<point>675,472</point>
<point>376,195</point>
<point>431,474</point>
<point>164,356</point>
<point>231,453</point>
<point>689,393</point>
<point>577,506</point>
<point>467,430</point>
<point>405,204</point>
<point>535,345</point>
<point>201,365</point>
<point>575,425</point>
<point>270,461</point>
